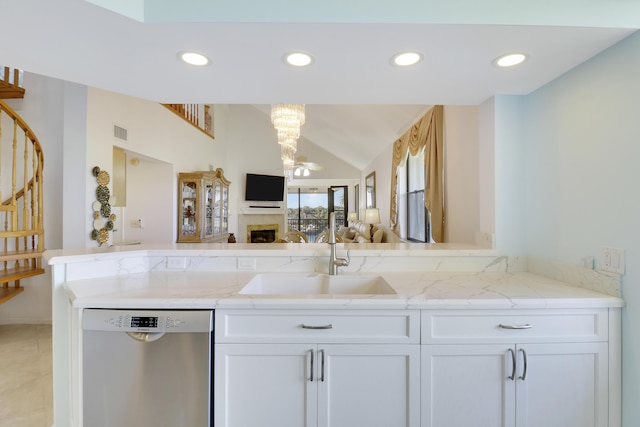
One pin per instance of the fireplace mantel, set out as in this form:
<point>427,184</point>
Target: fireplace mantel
<point>277,210</point>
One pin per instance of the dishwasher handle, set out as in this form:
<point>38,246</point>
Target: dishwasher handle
<point>146,336</point>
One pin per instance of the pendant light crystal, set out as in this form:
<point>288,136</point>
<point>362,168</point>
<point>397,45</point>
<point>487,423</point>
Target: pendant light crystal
<point>287,119</point>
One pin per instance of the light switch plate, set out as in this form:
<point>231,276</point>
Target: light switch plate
<point>612,260</point>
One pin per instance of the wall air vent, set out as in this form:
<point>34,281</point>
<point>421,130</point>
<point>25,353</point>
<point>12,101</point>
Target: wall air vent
<point>120,133</point>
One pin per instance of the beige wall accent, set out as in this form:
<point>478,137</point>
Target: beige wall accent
<point>119,177</point>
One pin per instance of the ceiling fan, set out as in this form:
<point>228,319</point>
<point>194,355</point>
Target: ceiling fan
<point>303,167</point>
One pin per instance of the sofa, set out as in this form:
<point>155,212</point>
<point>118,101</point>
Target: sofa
<point>360,232</point>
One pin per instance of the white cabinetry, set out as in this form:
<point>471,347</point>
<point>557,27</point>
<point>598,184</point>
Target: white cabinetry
<point>523,369</point>
<point>319,368</point>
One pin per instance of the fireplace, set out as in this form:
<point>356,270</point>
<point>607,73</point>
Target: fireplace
<point>262,233</point>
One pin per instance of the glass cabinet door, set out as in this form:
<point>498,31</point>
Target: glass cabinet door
<point>208,213</point>
<point>189,208</point>
<point>225,209</point>
<point>217,204</point>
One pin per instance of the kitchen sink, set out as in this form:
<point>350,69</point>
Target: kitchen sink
<point>315,284</point>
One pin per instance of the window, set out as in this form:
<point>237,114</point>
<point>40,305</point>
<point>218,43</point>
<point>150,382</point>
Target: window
<point>307,211</point>
<point>417,215</point>
<point>338,203</point>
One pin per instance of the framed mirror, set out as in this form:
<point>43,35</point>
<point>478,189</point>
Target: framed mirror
<point>370,184</point>
<point>357,199</point>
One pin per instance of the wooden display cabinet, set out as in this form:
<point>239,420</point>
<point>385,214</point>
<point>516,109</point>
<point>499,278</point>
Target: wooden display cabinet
<point>203,207</point>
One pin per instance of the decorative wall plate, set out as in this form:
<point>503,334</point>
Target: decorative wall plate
<point>103,178</point>
<point>105,210</point>
<point>102,194</point>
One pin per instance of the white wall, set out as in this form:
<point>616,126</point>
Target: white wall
<point>462,201</point>
<point>581,137</point>
<point>509,193</point>
<point>148,189</point>
<point>381,165</point>
<point>486,166</point>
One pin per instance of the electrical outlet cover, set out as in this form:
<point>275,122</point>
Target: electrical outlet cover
<point>612,260</point>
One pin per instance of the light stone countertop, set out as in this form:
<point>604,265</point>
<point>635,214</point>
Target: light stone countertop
<point>205,276</point>
<point>427,290</point>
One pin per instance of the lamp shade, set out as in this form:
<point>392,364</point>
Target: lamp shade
<point>372,216</point>
<point>353,217</point>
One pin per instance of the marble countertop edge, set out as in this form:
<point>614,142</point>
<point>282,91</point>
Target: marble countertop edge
<point>414,291</point>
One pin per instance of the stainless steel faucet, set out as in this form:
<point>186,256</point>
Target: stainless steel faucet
<point>334,261</point>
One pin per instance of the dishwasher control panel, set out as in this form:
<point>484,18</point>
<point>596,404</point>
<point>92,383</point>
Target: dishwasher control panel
<point>147,320</point>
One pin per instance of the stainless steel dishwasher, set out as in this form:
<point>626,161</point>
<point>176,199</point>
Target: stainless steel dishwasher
<point>144,368</point>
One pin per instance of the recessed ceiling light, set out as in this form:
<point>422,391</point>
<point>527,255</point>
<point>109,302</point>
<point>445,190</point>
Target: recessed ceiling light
<point>405,59</point>
<point>193,58</point>
<point>298,59</point>
<point>510,60</point>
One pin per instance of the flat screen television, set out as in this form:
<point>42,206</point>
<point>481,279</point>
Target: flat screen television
<point>264,188</point>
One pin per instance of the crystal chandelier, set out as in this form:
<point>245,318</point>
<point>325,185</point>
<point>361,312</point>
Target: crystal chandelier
<point>287,119</point>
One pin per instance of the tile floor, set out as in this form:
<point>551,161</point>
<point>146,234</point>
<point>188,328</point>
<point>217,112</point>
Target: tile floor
<point>26,381</point>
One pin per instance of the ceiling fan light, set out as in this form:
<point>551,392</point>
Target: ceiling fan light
<point>297,172</point>
<point>305,172</point>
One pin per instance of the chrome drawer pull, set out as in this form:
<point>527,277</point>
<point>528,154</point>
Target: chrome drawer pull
<point>526,326</point>
<point>524,371</point>
<point>311,366</point>
<point>513,365</point>
<point>329,326</point>
<point>322,366</point>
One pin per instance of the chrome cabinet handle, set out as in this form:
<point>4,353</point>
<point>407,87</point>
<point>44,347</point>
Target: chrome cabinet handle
<point>311,366</point>
<point>513,365</point>
<point>329,326</point>
<point>524,370</point>
<point>525,326</point>
<point>322,366</point>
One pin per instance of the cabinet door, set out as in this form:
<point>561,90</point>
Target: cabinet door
<point>468,385</point>
<point>225,210</point>
<point>188,211</point>
<point>566,385</point>
<point>257,385</point>
<point>368,385</point>
<point>207,228</point>
<point>217,208</point>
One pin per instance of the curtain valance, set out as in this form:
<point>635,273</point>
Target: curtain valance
<point>426,133</point>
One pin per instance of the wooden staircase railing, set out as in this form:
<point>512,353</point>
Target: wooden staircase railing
<point>21,213</point>
<point>191,113</point>
<point>10,84</point>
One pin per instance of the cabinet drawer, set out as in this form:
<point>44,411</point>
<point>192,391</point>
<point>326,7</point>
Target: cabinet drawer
<point>322,326</point>
<point>521,326</point>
